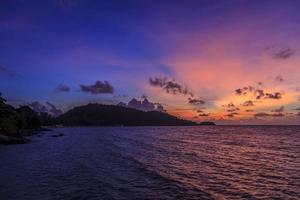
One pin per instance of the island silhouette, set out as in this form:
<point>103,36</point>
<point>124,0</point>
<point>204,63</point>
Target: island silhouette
<point>23,121</point>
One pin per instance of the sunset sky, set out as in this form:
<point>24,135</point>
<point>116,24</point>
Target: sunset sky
<point>231,61</point>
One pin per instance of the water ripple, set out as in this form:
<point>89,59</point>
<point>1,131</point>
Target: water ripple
<point>222,162</point>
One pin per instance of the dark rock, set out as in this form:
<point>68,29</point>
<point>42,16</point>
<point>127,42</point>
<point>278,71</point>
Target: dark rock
<point>4,139</point>
<point>58,135</point>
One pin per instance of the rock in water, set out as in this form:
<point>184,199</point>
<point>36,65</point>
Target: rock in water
<point>4,139</point>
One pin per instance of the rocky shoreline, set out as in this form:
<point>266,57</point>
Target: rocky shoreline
<point>20,138</point>
<point>5,139</point>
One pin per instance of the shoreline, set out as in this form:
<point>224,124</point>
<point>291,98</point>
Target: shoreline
<point>21,137</point>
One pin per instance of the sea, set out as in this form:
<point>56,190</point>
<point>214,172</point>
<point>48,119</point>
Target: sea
<point>199,162</point>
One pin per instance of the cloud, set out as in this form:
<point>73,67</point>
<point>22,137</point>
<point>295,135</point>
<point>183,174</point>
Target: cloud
<point>261,114</point>
<point>195,101</point>
<point>38,107</point>
<point>204,114</point>
<point>53,110</point>
<point>231,107</point>
<point>285,53</point>
<point>259,93</point>
<point>276,95</point>
<point>233,110</point>
<point>62,88</point>
<point>281,109</point>
<point>248,103</point>
<point>5,70</point>
<point>144,105</point>
<point>45,108</point>
<point>249,110</point>
<point>244,90</point>
<point>98,88</point>
<point>279,78</point>
<point>297,108</point>
<point>277,115</point>
<point>230,115</point>
<point>239,91</point>
<point>170,86</point>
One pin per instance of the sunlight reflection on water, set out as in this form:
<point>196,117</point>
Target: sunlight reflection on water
<point>221,162</point>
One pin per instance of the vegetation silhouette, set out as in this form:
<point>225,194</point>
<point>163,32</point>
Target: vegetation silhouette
<point>17,122</point>
<point>113,115</point>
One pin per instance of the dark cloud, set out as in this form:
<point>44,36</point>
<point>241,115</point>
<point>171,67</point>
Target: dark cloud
<point>298,114</point>
<point>261,114</point>
<point>231,115</point>
<point>259,93</point>
<point>204,114</point>
<point>244,90</point>
<point>239,91</point>
<point>62,88</point>
<point>281,109</point>
<point>195,101</point>
<point>279,78</point>
<point>233,110</point>
<point>249,110</point>
<point>170,86</point>
<point>248,103</point>
<point>285,53</point>
<point>229,105</point>
<point>98,88</point>
<point>6,71</point>
<point>276,95</point>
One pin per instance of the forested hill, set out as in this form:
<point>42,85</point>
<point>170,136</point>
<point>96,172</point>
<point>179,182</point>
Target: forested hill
<point>111,115</point>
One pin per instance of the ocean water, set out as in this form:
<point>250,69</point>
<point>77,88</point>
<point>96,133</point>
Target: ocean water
<point>221,162</point>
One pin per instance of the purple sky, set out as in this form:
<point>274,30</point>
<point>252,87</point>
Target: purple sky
<point>231,61</point>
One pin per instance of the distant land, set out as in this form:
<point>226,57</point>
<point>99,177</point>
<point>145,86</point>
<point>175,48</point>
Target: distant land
<point>114,115</point>
<point>15,123</point>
